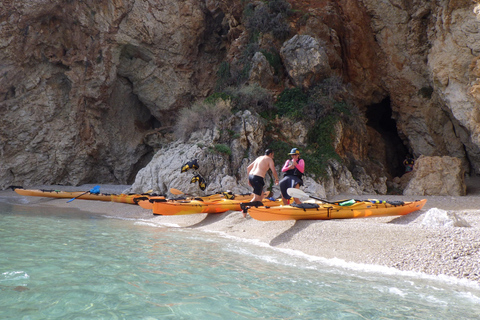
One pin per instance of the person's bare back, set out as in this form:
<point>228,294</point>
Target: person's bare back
<point>260,166</point>
<point>256,173</point>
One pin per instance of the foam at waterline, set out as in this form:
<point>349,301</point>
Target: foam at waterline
<point>359,267</point>
<point>470,296</point>
<point>145,222</point>
<point>397,292</point>
<point>331,262</point>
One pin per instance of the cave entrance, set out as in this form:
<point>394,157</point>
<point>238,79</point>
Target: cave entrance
<point>393,151</point>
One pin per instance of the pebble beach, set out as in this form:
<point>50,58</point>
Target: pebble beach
<point>407,243</point>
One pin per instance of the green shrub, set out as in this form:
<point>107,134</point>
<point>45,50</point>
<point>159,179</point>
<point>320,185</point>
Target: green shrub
<point>250,97</point>
<point>274,59</point>
<point>291,102</point>
<point>223,148</point>
<point>281,7</point>
<point>281,150</point>
<point>280,28</point>
<point>271,18</point>
<point>215,97</point>
<point>224,75</point>
<point>324,105</point>
<point>327,97</point>
<point>223,70</point>
<point>233,134</point>
<point>201,115</point>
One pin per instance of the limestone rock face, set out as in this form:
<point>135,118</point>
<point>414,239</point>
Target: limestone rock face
<point>84,82</point>
<point>305,60</point>
<point>90,90</point>
<point>261,72</point>
<point>428,52</point>
<point>437,176</point>
<point>163,172</point>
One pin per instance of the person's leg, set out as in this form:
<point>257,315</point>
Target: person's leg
<point>253,183</point>
<point>297,201</point>
<point>257,197</point>
<point>284,185</point>
<point>257,183</point>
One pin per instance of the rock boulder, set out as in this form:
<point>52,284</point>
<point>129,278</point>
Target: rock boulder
<point>437,176</point>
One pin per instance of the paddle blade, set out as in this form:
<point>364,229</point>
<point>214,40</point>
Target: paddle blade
<point>297,193</point>
<point>95,190</point>
<point>175,191</point>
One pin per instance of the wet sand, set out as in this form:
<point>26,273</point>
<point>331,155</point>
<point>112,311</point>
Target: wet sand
<point>401,242</point>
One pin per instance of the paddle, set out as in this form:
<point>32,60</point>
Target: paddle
<point>297,193</point>
<point>95,190</point>
<point>176,191</point>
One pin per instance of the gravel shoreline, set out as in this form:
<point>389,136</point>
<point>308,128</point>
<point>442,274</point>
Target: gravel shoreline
<point>400,242</point>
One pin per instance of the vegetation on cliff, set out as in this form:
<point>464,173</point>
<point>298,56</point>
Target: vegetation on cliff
<point>321,106</point>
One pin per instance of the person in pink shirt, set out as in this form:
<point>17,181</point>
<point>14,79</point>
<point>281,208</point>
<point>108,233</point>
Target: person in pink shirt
<point>293,169</point>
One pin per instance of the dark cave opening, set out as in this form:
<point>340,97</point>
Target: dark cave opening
<point>379,117</point>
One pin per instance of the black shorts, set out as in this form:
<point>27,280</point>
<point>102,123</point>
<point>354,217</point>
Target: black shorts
<point>289,182</point>
<point>257,183</point>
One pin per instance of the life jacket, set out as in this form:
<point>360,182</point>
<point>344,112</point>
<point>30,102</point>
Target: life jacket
<point>294,171</point>
<point>201,181</point>
<point>190,165</point>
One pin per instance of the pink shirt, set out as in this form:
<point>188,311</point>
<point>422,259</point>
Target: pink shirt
<point>300,165</point>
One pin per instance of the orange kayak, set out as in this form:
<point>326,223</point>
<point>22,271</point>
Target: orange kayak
<point>122,198</point>
<point>180,207</point>
<point>324,211</point>
<point>145,202</point>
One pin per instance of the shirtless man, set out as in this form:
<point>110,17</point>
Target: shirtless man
<point>256,174</point>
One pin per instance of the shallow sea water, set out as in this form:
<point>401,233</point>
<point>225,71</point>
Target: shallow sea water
<point>68,264</point>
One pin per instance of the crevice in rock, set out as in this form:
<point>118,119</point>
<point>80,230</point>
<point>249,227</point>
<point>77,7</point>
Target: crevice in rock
<point>127,119</point>
<point>140,164</point>
<point>379,117</point>
<point>215,33</point>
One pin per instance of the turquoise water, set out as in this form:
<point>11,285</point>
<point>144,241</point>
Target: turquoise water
<point>60,264</point>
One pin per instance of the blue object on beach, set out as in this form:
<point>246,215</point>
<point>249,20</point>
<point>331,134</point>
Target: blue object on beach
<point>271,198</point>
<point>94,190</point>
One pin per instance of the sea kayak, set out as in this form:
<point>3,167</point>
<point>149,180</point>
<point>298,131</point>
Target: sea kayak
<point>122,198</point>
<point>325,211</point>
<point>146,202</point>
<point>181,207</point>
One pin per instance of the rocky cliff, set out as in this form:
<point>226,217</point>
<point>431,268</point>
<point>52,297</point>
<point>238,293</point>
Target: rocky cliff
<point>89,90</point>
